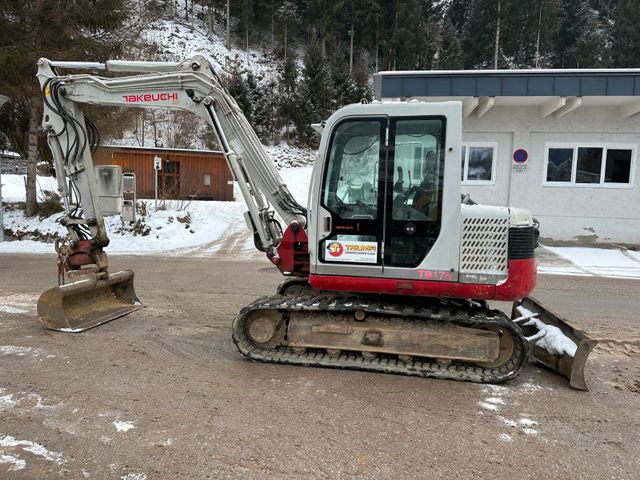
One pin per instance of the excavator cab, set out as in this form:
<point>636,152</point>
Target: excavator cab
<point>408,216</point>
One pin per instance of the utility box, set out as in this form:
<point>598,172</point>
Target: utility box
<point>129,197</point>
<point>129,183</point>
<point>109,180</point>
<point>128,211</point>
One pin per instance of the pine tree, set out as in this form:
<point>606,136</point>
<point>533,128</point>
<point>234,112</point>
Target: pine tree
<point>591,50</point>
<point>245,15</point>
<point>287,100</point>
<point>264,99</point>
<point>450,56</point>
<point>574,21</point>
<point>237,87</point>
<point>316,79</point>
<point>478,43</point>
<point>626,35</point>
<point>256,97</point>
<point>287,21</point>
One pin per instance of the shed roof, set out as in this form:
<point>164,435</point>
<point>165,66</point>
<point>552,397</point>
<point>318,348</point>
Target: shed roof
<point>162,149</point>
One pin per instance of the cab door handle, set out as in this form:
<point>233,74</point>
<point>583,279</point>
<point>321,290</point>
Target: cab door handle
<point>326,224</point>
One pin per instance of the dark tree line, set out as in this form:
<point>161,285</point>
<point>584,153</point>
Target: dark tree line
<point>429,34</point>
<point>344,41</point>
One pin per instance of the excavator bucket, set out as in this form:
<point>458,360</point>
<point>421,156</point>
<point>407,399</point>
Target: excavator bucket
<point>553,341</point>
<point>88,302</point>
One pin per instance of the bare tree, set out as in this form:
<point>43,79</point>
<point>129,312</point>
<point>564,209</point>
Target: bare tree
<point>29,29</point>
<point>228,25</point>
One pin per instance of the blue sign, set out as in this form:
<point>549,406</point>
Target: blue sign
<point>520,155</point>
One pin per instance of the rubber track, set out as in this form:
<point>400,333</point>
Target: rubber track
<point>420,366</point>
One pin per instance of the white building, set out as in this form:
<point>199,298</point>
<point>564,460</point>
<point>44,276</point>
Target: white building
<point>576,134</point>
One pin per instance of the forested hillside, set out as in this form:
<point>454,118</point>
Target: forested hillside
<point>290,62</point>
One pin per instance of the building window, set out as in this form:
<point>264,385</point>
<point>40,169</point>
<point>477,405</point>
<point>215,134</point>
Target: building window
<point>207,180</point>
<point>589,165</point>
<point>478,163</point>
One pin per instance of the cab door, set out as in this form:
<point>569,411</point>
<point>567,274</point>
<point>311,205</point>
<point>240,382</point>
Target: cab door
<point>413,202</point>
<point>352,199</point>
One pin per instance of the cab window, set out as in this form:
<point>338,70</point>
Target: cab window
<point>350,189</point>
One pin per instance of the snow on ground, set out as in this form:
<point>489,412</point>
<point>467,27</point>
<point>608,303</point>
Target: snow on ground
<point>179,40</point>
<point>13,187</point>
<point>284,156</point>
<point>498,403</point>
<point>123,426</point>
<point>618,263</point>
<point>11,452</point>
<point>170,231</point>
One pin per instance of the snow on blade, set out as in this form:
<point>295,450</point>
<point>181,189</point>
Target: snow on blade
<point>549,337</point>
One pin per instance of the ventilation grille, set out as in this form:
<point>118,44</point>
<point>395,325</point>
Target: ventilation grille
<point>484,245</point>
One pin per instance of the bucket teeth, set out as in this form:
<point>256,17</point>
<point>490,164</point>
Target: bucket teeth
<point>88,302</point>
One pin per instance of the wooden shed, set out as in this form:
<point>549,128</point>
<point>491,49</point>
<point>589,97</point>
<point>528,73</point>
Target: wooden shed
<point>185,174</point>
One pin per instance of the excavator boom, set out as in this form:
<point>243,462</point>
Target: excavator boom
<point>95,296</point>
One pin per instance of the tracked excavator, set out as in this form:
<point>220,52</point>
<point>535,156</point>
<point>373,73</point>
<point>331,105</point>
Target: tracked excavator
<point>388,269</point>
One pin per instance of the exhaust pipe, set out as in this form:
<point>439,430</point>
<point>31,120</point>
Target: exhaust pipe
<point>88,302</point>
<point>553,341</point>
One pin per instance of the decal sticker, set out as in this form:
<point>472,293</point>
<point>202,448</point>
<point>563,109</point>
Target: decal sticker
<point>151,97</point>
<point>438,275</point>
<point>335,249</point>
<point>351,251</point>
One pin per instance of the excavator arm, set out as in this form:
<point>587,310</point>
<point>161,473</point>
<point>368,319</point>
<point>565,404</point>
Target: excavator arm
<point>191,85</point>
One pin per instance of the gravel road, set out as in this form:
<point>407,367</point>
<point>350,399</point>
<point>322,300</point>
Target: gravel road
<point>164,394</point>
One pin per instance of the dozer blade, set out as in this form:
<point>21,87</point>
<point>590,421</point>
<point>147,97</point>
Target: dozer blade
<point>88,302</point>
<point>553,341</point>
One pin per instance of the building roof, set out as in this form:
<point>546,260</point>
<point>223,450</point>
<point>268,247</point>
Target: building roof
<point>557,92</point>
<point>505,83</point>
